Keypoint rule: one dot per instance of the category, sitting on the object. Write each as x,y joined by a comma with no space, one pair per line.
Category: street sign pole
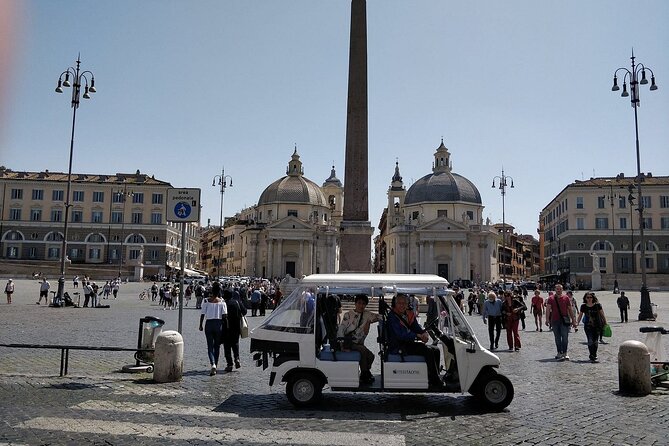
183,205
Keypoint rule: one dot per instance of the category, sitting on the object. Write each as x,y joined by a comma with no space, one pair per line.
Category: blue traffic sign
182,209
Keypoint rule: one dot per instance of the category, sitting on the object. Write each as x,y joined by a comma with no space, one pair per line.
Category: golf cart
298,341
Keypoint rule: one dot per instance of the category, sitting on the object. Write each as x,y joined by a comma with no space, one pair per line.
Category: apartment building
594,225
117,223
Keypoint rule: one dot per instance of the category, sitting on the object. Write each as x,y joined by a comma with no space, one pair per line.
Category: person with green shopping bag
594,322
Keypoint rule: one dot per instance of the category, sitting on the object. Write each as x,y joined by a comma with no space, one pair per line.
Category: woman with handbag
594,321
511,310
236,311
215,311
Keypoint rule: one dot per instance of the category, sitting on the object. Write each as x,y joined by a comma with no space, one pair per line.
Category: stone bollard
634,368
168,363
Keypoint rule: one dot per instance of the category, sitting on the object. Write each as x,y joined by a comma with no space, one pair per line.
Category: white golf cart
297,339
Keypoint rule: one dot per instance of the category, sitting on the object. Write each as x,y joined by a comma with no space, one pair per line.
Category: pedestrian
480,301
154,292
231,336
594,320
255,302
537,305
518,295
511,309
264,298
44,291
492,315
187,294
471,301
215,311
559,318
9,290
199,295
94,295
115,288
75,282
106,290
88,290
623,305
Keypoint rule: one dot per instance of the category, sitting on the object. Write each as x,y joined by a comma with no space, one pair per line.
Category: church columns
431,267
270,264
454,268
301,270
419,257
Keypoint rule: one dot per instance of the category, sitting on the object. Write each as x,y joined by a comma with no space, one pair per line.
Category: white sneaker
566,357
212,372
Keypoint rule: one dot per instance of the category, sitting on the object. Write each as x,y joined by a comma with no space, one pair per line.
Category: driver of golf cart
404,334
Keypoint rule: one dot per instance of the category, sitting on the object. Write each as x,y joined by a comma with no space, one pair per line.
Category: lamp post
502,188
612,198
646,310
123,195
78,77
222,182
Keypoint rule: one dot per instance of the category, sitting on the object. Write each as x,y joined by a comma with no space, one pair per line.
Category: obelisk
356,230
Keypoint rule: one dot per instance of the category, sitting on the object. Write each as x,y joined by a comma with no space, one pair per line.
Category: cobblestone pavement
556,403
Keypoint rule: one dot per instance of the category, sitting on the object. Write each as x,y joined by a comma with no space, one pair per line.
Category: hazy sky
186,87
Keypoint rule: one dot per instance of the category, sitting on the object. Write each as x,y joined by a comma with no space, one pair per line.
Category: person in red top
559,317
538,309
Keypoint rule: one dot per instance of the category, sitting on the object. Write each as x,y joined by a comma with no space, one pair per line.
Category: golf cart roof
367,281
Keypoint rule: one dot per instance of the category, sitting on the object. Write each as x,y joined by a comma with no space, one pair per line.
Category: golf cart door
467,349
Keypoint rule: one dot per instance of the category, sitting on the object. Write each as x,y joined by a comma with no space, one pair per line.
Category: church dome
293,188
442,185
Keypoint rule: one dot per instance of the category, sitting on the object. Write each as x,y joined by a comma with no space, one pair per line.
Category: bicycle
659,367
143,295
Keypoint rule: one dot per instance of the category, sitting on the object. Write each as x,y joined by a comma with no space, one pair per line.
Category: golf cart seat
328,355
404,358
393,357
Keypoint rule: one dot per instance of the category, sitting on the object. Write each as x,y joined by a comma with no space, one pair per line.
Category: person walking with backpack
9,290
231,335
559,318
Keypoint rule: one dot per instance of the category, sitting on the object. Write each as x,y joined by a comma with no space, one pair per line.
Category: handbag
566,320
606,331
244,327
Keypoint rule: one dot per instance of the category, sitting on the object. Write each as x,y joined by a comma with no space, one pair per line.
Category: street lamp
612,198
646,310
222,182
78,77
502,188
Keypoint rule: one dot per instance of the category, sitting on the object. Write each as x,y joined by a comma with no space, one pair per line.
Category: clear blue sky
186,87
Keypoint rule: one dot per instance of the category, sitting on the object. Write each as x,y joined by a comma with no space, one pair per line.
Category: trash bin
149,329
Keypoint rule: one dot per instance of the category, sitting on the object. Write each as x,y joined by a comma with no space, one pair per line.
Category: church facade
436,227
293,230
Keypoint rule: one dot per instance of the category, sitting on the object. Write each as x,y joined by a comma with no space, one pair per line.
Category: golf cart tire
495,391
304,389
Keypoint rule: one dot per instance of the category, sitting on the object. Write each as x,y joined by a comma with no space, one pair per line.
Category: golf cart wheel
304,389
496,391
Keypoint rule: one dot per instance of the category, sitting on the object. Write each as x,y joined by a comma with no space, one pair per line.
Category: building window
96,216
77,216
134,254
56,215
622,202
117,217
442,213
622,223
601,223
156,218
76,253
137,218
78,195
580,262
54,237
580,223
470,215
600,202
35,215
113,254
579,202
17,194
94,253
32,252
38,194
118,197
664,223
138,197
645,202
650,263
154,254
53,253
15,214
14,235
155,239
292,213
136,238
648,223
414,216
95,238
157,199
664,201
57,195
580,245
98,197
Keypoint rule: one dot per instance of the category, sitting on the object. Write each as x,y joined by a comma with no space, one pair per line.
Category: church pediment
443,225
290,222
